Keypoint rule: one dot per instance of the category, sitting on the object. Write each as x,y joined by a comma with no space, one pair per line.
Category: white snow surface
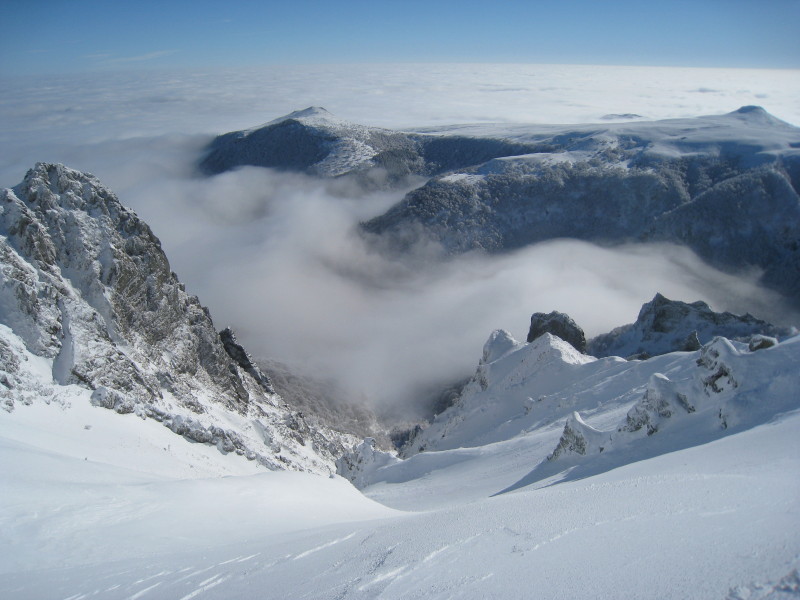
97,504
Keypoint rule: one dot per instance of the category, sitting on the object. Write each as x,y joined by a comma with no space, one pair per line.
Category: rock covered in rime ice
559,325
727,388
578,438
500,343
360,464
665,325
661,400
85,285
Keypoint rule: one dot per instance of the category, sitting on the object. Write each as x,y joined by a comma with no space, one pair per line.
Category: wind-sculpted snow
86,287
727,388
616,411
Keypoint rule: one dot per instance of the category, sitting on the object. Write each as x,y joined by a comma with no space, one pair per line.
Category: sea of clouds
277,255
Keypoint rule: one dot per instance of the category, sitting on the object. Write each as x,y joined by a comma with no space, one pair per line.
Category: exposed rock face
559,325
84,284
243,359
665,325
316,142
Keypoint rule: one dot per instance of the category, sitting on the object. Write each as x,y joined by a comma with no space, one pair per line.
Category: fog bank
277,256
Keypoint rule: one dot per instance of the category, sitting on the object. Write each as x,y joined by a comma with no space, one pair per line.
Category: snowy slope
713,521
704,505
555,474
82,485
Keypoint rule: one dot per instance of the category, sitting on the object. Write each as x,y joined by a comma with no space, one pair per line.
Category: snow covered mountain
87,299
608,407
315,141
669,476
725,186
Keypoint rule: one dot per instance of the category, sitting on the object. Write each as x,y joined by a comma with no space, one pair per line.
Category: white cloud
275,254
138,58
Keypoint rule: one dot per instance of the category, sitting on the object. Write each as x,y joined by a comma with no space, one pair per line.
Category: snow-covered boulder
761,342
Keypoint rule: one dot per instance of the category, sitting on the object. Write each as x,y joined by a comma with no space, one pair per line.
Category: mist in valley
280,258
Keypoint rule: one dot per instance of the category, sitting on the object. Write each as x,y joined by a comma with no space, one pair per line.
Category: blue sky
45,36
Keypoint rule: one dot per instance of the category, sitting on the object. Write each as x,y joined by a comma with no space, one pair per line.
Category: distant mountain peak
757,115
751,109
312,115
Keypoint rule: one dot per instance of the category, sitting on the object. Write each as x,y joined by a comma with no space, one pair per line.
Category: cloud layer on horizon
275,254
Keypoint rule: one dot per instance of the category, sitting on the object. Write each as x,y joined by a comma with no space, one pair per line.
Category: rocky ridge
726,186
316,142
608,411
87,294
665,325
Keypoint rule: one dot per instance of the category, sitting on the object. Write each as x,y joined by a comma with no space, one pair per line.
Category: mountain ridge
87,288
725,186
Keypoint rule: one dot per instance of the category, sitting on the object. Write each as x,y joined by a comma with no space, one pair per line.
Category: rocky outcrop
559,325
243,359
85,285
665,325
578,438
